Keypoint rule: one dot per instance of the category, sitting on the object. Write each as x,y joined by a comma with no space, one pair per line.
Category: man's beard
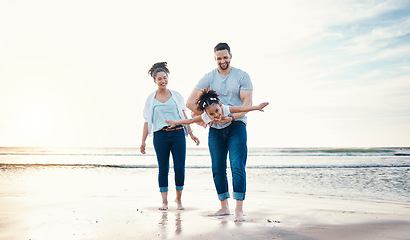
227,65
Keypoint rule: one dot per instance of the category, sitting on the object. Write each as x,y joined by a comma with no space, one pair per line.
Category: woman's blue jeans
165,143
231,139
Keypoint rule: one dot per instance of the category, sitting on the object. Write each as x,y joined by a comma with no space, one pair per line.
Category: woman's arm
191,133
144,137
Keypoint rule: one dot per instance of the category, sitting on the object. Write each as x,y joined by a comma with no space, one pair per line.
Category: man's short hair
222,46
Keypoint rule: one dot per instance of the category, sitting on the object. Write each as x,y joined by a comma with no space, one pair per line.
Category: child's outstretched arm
184,121
260,107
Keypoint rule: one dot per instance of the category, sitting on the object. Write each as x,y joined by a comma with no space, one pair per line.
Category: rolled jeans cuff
223,196
238,196
163,189
180,188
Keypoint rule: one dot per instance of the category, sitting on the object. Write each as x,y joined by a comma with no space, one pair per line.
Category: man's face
223,59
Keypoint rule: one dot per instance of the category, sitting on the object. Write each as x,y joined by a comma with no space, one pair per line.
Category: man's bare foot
164,206
239,216
164,196
179,203
220,212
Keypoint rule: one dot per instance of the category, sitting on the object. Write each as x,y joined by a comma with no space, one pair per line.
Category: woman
161,105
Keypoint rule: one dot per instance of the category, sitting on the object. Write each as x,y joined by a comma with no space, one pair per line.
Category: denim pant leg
178,150
218,148
238,152
162,150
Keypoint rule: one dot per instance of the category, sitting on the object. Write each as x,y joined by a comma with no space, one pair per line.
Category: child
208,102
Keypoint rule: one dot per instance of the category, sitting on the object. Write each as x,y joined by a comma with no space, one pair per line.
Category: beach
83,201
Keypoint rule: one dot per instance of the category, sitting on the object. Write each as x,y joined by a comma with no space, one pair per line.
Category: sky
336,73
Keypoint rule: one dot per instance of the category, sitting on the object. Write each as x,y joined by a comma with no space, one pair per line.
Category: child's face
214,111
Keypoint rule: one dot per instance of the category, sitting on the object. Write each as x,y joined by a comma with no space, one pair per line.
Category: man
234,87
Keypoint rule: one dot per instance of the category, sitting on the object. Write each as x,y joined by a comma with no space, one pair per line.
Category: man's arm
246,97
191,102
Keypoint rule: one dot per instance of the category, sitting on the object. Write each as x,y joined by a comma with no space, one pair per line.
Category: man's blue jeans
165,143
231,139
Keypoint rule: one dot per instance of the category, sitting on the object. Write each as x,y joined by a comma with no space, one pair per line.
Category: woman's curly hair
206,98
158,67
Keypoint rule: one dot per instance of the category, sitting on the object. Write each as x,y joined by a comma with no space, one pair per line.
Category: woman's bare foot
164,206
179,203
239,216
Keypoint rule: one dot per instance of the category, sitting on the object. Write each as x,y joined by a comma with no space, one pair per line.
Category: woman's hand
195,139
170,122
142,148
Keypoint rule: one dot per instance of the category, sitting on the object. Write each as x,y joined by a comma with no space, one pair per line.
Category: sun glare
36,123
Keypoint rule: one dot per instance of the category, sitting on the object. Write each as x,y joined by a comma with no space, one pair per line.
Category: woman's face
161,79
214,111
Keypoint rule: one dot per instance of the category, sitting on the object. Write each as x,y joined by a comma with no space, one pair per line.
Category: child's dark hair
158,67
206,98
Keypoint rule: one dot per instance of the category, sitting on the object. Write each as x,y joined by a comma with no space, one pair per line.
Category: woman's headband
157,70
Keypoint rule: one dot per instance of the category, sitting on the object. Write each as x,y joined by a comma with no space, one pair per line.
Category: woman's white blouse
149,108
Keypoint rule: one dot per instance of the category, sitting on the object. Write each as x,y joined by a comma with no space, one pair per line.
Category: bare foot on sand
220,212
164,196
164,206
239,216
179,203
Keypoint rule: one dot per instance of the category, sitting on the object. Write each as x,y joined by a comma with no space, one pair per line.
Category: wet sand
63,203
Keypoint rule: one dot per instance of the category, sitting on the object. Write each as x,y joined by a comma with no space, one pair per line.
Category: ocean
379,174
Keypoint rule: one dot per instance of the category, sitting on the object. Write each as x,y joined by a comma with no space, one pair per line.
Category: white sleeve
206,118
147,113
225,108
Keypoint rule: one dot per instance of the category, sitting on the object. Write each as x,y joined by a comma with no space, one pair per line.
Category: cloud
323,65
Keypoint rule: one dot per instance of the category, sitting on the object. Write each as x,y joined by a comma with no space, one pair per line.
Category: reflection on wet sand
166,229
178,225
